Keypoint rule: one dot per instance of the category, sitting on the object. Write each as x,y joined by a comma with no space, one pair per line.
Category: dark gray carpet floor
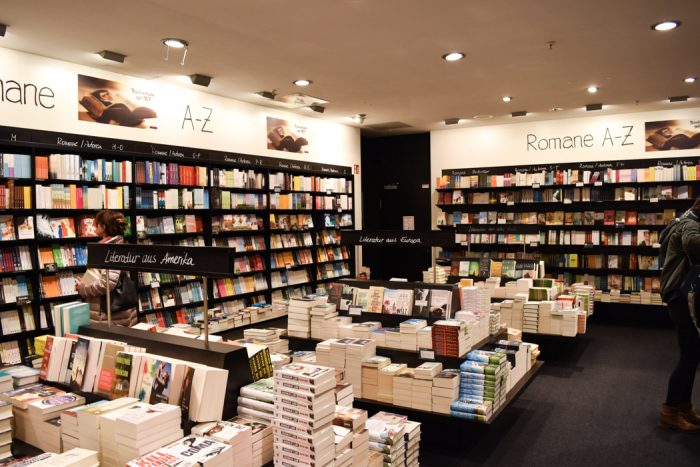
595,402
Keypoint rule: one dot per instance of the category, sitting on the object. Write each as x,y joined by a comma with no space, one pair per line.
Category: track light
201,80
302,82
359,118
113,56
267,94
519,113
451,121
171,42
317,108
678,98
3,29
665,25
590,107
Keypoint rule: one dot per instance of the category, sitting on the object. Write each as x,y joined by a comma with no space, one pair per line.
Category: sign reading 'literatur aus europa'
191,260
397,238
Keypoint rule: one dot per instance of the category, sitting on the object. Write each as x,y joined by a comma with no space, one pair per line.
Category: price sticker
653,200
567,201
510,203
278,189
588,245
579,184
355,310
427,354
598,184
288,266
534,244
22,300
329,192
340,209
535,185
155,284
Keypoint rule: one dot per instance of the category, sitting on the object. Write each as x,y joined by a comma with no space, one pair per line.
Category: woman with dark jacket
680,246
92,287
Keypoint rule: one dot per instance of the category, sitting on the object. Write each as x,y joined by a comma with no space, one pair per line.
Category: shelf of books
282,217
611,213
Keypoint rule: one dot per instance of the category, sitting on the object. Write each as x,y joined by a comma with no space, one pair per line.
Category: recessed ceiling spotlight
678,98
592,89
359,118
507,98
453,56
483,117
556,109
665,25
451,121
590,107
3,29
267,94
113,56
690,79
317,108
201,80
302,82
519,113
175,43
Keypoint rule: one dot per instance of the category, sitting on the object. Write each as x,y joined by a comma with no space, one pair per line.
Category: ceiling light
113,56
3,29
175,43
592,89
590,107
690,79
359,118
267,94
665,25
483,117
507,98
556,109
519,113
201,80
317,108
451,121
678,98
302,82
453,56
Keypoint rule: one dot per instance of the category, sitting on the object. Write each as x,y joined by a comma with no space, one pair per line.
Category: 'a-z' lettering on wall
611,137
201,121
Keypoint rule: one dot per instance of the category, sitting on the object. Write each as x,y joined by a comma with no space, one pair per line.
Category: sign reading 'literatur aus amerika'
397,238
191,260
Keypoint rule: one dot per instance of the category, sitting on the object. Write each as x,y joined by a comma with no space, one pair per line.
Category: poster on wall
113,103
669,135
283,135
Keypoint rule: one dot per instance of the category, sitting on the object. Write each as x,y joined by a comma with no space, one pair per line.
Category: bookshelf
596,222
170,195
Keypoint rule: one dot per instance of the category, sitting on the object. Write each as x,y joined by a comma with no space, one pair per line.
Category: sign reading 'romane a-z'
191,260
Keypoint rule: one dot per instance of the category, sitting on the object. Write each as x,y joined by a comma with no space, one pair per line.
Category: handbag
690,289
122,297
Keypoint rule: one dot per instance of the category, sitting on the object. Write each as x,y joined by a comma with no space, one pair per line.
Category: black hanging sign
399,238
498,229
191,260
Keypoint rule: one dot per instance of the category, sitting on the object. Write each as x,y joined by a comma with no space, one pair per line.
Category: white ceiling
383,57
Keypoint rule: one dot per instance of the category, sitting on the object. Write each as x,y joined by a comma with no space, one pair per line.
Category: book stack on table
236,435
370,375
261,438
190,450
257,400
483,385
349,422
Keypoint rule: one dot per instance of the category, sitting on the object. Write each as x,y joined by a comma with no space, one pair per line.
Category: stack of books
409,333
323,352
304,411
370,375
257,400
18,376
392,338
337,353
411,438
475,298
385,389
261,438
320,313
356,351
518,355
445,390
344,394
386,436
190,450
403,387
139,429
352,437
89,421
75,457
581,322
362,330
299,317
450,337
20,400
70,434
40,411
424,338
5,429
494,321
547,323
436,275
331,326
531,312
483,385
236,435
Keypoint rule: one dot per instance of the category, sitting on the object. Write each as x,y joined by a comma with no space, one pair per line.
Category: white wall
610,137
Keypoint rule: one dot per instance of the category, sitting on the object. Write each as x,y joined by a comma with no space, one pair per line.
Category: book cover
186,392
77,374
404,302
160,390
106,371
421,303
25,227
375,299
389,301
440,301
122,375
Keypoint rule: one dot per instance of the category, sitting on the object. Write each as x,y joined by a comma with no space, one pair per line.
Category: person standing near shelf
680,246
110,225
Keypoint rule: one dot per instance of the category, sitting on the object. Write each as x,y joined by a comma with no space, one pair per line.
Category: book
440,303
421,302
375,300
